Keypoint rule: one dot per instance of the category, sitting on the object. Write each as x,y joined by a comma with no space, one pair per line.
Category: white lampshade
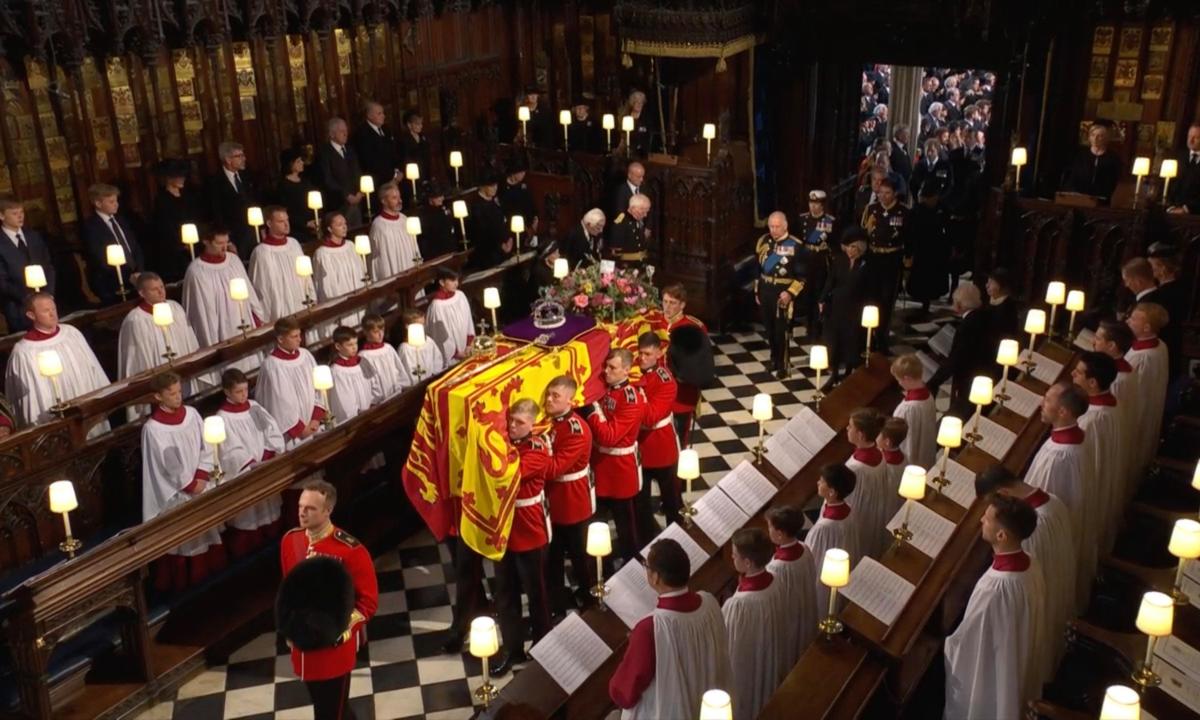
322,378
1035,322
304,266
564,117
912,483
254,216
189,234
517,224
412,171
1009,353
835,570
562,268
114,255
62,497
416,335
818,357
762,409
214,429
491,298
1121,703
35,277
870,316
314,200
1196,477
688,467
1075,300
1019,156
523,113
716,705
1156,615
1141,166
238,289
362,244
162,314
627,123
49,363
484,642
456,160
1169,169
1185,539
1056,293
710,131
460,208
366,184
949,434
981,390
599,539
413,225
608,122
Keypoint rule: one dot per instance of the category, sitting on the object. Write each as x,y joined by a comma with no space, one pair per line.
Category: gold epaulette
619,219
346,538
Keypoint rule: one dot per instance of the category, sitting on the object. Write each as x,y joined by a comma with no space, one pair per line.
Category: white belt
670,418
628,450
578,475
531,501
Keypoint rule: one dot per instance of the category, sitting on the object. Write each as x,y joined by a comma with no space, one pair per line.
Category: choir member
872,494
918,410
393,250
759,624
230,192
285,385
835,528
521,567
847,289
34,394
615,420
487,230
1149,358
970,352
273,267
251,436
339,171
102,228
448,318
19,248
889,441
174,206
418,362
1114,338
585,243
796,573
175,468
439,231
991,665
380,360
1094,373
337,269
687,395
657,442
354,392
211,312
141,345
690,631
570,494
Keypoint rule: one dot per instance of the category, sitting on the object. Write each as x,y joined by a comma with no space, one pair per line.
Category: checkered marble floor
403,673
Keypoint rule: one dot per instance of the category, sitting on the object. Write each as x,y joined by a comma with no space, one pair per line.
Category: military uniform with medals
628,241
816,232
782,267
886,230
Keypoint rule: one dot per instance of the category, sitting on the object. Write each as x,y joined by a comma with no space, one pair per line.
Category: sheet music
719,516
930,530
1181,655
1084,341
997,439
630,596
929,365
810,430
1045,370
1023,401
747,487
879,591
787,455
1176,681
962,483
674,532
925,327
571,652
941,342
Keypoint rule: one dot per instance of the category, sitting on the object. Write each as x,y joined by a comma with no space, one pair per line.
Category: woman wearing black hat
293,194
174,206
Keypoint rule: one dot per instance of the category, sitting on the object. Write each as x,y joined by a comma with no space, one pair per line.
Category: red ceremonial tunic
636,671
615,427
570,486
338,660
529,531
657,441
688,395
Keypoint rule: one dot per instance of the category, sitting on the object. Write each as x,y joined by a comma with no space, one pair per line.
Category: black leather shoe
453,644
505,663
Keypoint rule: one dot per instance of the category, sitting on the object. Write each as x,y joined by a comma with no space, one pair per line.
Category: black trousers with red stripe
625,518
569,541
519,572
331,698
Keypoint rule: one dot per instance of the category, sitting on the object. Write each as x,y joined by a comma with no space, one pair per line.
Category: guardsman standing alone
885,222
782,260
816,227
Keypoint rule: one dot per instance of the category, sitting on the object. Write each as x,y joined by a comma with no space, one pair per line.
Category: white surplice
920,446
338,271
285,390
1126,388
759,624
273,273
1052,545
142,344
251,436
384,365
990,667
427,359
1062,467
1101,423
448,325
795,572
33,394
213,315
872,500
353,392
830,532
393,250
1149,360
173,456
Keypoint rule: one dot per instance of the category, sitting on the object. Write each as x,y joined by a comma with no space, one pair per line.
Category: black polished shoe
454,643
506,663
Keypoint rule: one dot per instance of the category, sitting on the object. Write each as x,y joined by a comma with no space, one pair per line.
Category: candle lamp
1141,168
491,301
716,705
63,500
1035,324
416,340
214,435
362,248
1168,170
315,203
762,412
523,116
912,489
413,225
190,235
254,218
35,277
949,436
980,395
627,127
304,270
609,123
688,469
709,133
322,377
115,256
163,319
1056,294
599,546
412,173
564,119
239,291
456,162
1008,355
1155,618
818,359
1121,703
1019,158
1196,477
460,211
870,320
1075,303
1185,545
484,643
835,573
366,186
517,225
562,268
49,364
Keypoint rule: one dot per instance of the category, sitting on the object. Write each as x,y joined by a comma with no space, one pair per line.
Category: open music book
571,652
879,591
930,530
748,487
719,516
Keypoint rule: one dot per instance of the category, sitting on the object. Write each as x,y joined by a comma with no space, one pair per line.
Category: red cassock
570,487
657,441
688,395
529,525
335,661
615,427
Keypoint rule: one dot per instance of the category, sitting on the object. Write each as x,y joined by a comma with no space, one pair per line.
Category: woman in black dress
293,195
174,206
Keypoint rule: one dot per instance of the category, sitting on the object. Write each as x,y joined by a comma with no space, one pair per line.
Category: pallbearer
656,441
689,357
616,420
571,493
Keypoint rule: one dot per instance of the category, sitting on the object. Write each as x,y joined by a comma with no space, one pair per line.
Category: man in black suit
229,193
933,169
970,354
1172,295
848,287
635,173
585,242
19,248
338,167
1138,278
103,228
1184,196
376,147
900,158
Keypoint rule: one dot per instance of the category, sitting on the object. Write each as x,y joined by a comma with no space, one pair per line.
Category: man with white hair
635,175
783,263
970,354
338,168
934,121
629,238
585,242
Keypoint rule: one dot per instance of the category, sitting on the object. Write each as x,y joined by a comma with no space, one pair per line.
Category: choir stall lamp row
949,437
1121,703
870,320
1154,619
115,256
835,573
688,469
163,318
416,340
818,359
304,270
1168,170
322,377
214,435
50,365
1185,545
459,208
491,301
1007,355
63,501
362,248
981,394
912,489
762,412
239,292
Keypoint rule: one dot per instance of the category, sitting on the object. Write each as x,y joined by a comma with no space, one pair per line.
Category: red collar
840,511
1104,398
36,335
1123,365
1011,562
235,407
371,346
790,552
284,354
442,294
347,362
920,393
329,243
275,241
1147,344
169,418
751,583
893,457
388,216
212,259
1068,436
868,456
1037,498
687,602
